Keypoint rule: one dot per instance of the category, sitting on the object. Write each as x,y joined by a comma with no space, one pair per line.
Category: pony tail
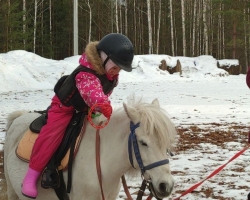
12,116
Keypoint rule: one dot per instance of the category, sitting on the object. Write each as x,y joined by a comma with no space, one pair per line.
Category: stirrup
50,178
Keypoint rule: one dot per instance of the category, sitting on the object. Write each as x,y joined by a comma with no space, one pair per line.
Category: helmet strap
105,62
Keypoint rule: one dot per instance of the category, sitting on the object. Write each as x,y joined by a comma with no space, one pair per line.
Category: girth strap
69,141
61,191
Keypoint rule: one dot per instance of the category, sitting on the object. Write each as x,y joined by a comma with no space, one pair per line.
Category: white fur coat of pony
156,135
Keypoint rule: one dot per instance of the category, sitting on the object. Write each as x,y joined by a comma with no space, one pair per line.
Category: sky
203,96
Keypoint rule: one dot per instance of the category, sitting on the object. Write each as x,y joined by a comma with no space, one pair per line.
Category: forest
190,28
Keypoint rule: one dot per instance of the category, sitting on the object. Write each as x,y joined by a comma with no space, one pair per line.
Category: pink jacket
90,86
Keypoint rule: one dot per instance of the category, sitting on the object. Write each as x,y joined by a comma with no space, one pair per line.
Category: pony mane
155,120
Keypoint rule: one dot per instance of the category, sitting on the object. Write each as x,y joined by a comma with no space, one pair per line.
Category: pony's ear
156,103
132,113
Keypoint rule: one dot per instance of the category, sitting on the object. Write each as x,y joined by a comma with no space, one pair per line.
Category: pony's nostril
163,187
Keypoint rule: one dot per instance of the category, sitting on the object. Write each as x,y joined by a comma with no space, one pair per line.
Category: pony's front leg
114,194
11,194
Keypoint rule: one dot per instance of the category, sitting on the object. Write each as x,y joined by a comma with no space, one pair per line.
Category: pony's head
153,136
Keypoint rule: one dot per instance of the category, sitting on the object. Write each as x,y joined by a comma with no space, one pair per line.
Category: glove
106,110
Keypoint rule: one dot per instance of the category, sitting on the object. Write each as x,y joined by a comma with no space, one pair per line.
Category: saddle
24,148
62,159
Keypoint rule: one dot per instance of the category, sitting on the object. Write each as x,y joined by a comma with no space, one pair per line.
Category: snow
203,95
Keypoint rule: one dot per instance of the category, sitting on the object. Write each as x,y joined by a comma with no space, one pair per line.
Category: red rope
150,196
125,186
213,173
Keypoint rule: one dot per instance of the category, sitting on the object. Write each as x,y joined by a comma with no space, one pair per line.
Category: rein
140,193
98,163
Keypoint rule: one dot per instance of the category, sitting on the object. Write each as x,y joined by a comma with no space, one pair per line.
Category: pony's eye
143,143
170,153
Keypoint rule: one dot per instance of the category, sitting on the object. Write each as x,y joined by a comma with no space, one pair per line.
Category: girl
90,83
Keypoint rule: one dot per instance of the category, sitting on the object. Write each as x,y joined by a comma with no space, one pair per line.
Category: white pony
155,134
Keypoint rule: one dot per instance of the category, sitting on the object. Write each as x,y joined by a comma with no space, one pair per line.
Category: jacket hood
94,58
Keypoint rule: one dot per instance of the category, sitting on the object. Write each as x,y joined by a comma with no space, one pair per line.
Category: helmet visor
123,65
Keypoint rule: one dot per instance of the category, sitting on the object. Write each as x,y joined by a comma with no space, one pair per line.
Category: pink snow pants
50,135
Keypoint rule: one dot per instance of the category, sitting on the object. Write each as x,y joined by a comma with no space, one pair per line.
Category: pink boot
29,183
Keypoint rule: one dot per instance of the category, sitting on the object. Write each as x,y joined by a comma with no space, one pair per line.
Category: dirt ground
189,138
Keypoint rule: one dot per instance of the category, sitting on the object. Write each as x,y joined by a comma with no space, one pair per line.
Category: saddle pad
24,148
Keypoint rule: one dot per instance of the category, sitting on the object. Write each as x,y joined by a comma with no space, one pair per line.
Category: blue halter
132,141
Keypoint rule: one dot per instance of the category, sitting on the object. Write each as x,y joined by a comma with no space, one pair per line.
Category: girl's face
114,71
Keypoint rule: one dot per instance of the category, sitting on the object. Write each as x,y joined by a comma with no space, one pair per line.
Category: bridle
133,144
132,141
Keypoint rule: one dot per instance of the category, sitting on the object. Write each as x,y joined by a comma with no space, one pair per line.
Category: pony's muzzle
164,189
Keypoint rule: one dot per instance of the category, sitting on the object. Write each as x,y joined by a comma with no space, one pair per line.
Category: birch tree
150,41
8,24
24,22
126,17
116,16
223,33
245,38
194,27
159,27
50,26
90,20
135,22
183,28
172,27
34,35
205,26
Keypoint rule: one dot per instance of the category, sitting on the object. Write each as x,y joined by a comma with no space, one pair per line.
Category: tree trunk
234,40
126,18
135,24
34,35
219,29
90,20
50,26
194,27
116,17
24,23
205,26
183,27
245,43
223,35
159,27
172,27
150,42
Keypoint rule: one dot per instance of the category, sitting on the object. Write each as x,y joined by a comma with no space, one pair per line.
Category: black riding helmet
119,49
